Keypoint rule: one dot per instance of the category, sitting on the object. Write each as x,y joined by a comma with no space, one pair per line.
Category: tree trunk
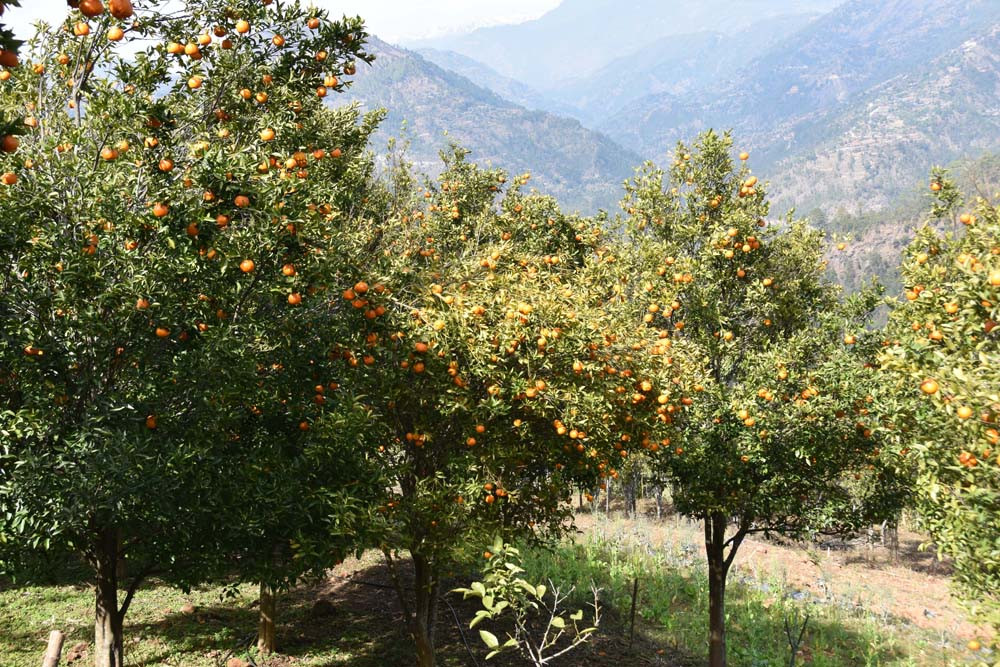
629,490
268,611
718,568
425,611
658,496
108,640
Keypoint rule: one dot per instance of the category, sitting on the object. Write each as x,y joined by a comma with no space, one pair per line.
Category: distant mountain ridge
580,36
843,109
581,167
886,70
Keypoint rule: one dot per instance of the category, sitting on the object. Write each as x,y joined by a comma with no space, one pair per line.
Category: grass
364,629
673,603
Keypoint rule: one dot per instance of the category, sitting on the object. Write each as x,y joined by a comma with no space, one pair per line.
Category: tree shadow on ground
362,626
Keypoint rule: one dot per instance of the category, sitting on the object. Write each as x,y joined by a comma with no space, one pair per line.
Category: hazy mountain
861,99
580,36
676,66
487,77
583,168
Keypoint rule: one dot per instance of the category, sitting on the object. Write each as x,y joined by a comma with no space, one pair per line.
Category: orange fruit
8,59
278,41
151,422
160,209
141,304
115,34
9,143
91,8
81,29
166,164
288,270
267,134
241,201
294,298
247,265
929,386
242,27
313,23
8,178
162,332
121,9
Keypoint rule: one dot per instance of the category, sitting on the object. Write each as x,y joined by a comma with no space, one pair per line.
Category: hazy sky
392,20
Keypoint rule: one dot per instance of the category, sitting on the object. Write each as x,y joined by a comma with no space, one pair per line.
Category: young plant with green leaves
172,220
543,630
777,437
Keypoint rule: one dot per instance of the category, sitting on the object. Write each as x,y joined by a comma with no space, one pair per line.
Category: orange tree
777,437
503,366
171,223
9,45
945,352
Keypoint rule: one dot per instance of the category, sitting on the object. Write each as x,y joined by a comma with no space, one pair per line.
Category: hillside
853,107
877,240
864,156
581,36
583,168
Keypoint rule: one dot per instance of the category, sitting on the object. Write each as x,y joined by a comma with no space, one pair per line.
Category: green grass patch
673,605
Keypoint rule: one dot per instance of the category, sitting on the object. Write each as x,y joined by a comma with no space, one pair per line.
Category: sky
392,20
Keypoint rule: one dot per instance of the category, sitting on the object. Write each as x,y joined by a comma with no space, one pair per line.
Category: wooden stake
635,594
54,650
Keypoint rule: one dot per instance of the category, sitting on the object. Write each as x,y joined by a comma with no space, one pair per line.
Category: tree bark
108,639
718,568
266,633
425,610
629,491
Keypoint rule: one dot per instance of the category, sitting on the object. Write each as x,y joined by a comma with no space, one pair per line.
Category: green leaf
558,622
489,639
